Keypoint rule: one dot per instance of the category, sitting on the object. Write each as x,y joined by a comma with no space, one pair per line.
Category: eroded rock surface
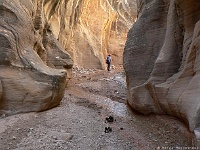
39,37
90,29
26,82
161,60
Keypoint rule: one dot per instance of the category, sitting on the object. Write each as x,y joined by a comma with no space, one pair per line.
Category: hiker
108,61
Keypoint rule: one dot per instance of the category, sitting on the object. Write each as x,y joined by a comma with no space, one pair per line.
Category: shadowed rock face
26,45
161,60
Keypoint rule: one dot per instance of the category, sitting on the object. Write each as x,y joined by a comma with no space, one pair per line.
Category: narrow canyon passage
79,122
44,46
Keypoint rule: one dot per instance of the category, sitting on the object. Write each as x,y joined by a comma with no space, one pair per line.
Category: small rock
55,138
108,129
14,138
110,119
3,115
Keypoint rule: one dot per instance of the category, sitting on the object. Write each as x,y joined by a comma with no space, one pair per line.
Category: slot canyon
56,92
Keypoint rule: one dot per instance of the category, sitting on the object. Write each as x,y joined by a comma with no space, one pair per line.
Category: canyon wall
33,65
40,40
91,29
161,60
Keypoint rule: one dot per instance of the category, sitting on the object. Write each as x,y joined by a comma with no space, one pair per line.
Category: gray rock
162,63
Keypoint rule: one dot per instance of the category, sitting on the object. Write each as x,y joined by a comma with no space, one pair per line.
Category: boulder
26,82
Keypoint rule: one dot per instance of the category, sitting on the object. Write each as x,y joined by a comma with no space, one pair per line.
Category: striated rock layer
27,49
161,60
90,29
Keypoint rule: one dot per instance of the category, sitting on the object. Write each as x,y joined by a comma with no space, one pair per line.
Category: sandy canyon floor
79,123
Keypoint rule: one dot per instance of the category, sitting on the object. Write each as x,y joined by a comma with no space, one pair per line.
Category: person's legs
108,67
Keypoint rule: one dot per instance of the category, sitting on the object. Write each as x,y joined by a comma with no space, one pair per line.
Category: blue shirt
108,59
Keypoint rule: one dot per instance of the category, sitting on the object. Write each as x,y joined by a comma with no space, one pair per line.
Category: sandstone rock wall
40,38
161,60
90,29
27,83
